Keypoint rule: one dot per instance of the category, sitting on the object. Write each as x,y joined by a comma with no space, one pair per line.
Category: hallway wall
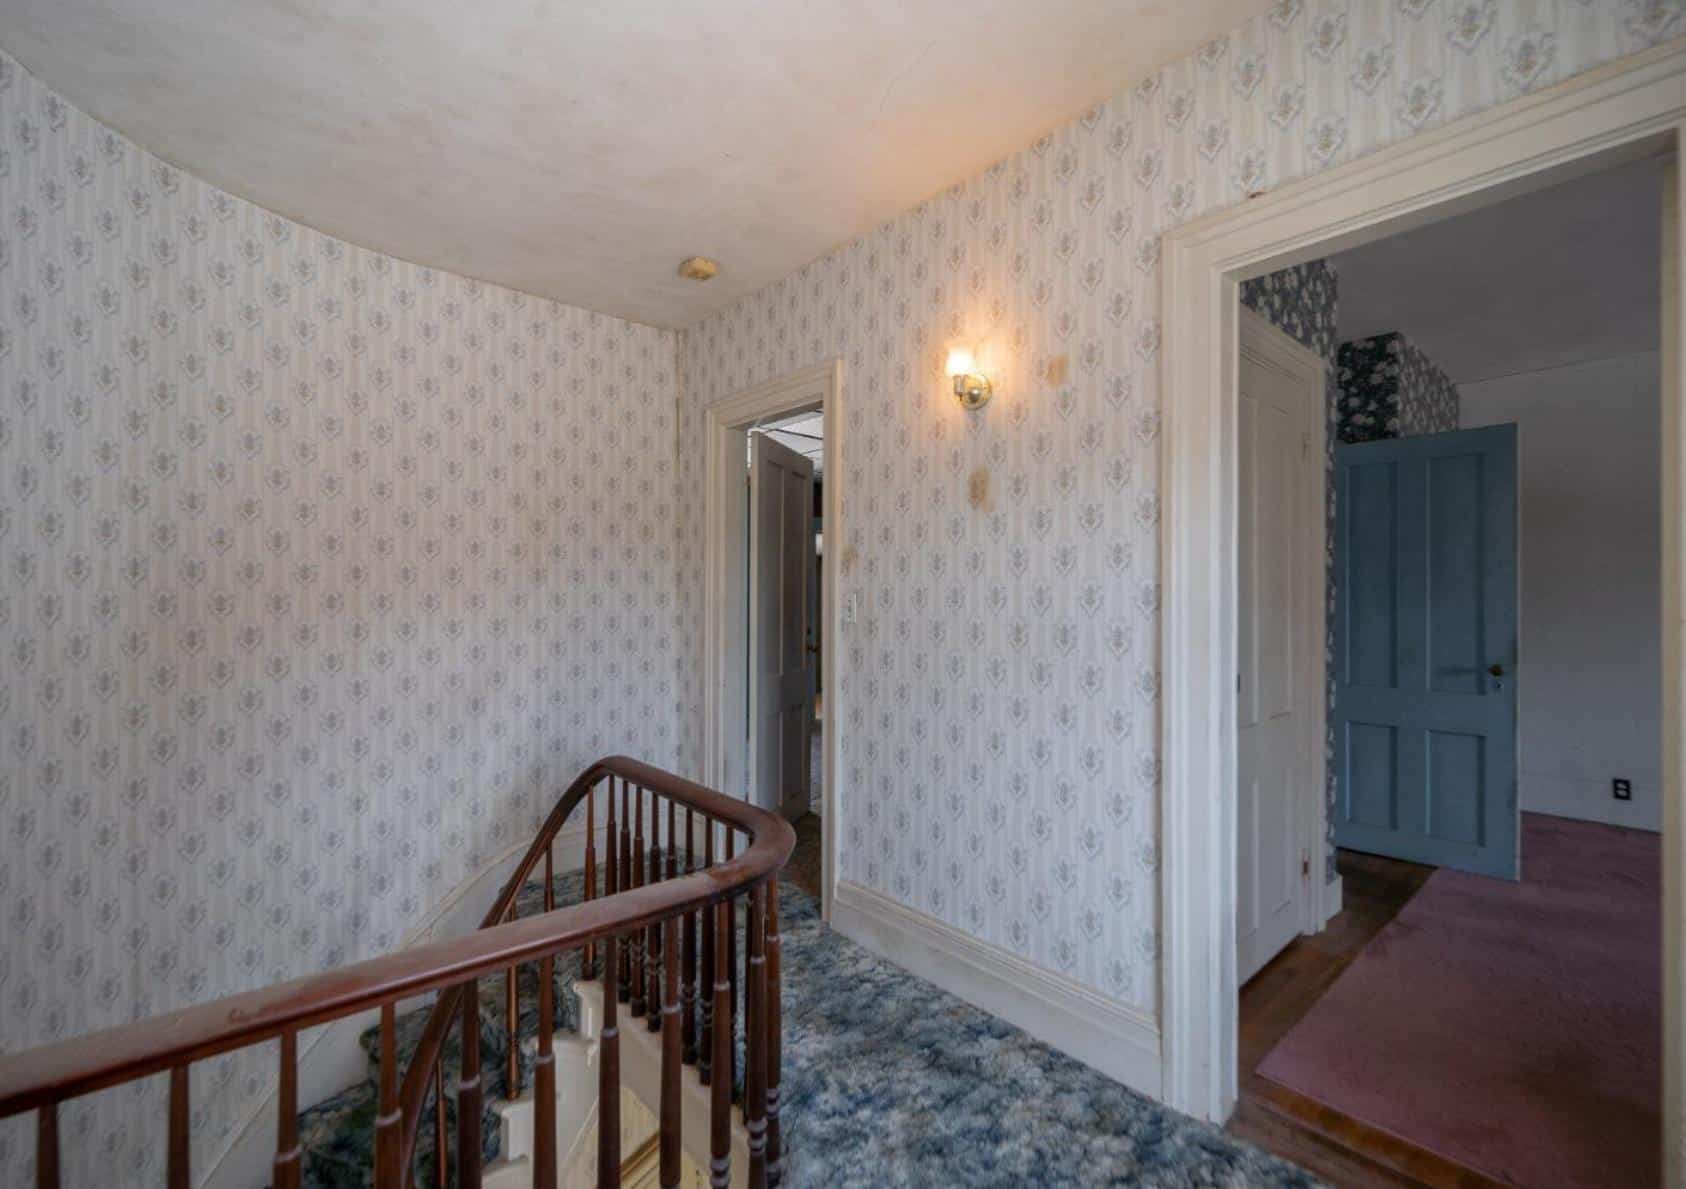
321,574
999,693
1590,503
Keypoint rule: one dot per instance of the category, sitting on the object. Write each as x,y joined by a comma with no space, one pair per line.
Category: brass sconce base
973,391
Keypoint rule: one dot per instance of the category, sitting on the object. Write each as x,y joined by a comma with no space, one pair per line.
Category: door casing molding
724,423
1630,109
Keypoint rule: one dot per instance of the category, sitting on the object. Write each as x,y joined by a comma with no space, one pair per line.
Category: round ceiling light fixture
699,268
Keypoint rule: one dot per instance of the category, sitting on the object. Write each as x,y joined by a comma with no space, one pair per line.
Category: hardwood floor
1341,1149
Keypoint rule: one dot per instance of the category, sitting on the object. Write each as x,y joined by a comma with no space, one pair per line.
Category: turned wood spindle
775,1035
623,982
609,1076
720,1090
178,1174
588,963
285,1174
544,1065
469,1089
672,1062
755,1039
440,1172
732,976
705,994
653,934
512,1027
688,947
388,1132
635,942
47,1146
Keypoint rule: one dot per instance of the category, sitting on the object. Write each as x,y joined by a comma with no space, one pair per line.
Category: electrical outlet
1621,789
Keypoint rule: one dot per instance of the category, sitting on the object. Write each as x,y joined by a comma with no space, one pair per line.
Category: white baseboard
1120,1041
1332,892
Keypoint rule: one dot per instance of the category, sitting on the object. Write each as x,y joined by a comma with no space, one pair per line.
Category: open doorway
773,506
1486,1002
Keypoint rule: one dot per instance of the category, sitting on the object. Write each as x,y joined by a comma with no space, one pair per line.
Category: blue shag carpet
887,1081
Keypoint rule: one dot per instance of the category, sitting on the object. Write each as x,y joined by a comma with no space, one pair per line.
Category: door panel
781,566
1279,503
1425,740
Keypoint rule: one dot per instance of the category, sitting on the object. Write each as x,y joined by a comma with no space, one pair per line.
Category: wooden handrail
45,1076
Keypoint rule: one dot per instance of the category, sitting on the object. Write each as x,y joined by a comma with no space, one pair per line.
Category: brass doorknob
1496,670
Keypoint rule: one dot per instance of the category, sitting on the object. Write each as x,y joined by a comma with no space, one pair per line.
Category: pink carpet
1515,1028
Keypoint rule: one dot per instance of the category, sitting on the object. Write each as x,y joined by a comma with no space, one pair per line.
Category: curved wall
320,573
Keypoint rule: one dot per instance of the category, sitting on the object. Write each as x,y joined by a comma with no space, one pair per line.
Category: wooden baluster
624,981
544,1065
440,1172
635,941
705,1059
732,975
672,840
609,1075
775,1035
512,1024
720,1114
469,1089
671,1060
688,945
389,1135
755,1040
177,1173
287,1151
47,1147
653,934
611,854
588,962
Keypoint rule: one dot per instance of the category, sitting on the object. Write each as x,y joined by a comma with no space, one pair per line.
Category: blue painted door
1425,649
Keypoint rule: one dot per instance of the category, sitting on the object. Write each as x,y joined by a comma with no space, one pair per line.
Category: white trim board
1631,109
724,422
1120,1041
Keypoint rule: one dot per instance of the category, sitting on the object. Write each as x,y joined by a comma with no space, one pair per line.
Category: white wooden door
781,566
1280,665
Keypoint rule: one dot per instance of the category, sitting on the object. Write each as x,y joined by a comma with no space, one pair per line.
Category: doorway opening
1487,508
773,507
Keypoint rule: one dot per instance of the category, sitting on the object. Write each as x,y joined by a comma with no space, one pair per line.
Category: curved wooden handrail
50,1074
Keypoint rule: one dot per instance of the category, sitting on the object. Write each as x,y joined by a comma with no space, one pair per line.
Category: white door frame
1630,109
724,424
1274,348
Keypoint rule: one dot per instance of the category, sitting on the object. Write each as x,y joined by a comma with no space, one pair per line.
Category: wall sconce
971,386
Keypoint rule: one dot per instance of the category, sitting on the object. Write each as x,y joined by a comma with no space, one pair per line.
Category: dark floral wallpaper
1389,388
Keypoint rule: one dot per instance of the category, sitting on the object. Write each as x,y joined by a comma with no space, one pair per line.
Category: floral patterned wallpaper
320,575
1428,400
999,700
1390,388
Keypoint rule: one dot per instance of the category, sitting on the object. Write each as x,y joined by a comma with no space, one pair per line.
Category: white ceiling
1560,275
579,149
803,433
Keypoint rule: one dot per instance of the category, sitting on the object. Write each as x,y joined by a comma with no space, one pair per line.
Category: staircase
338,1134
517,1073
